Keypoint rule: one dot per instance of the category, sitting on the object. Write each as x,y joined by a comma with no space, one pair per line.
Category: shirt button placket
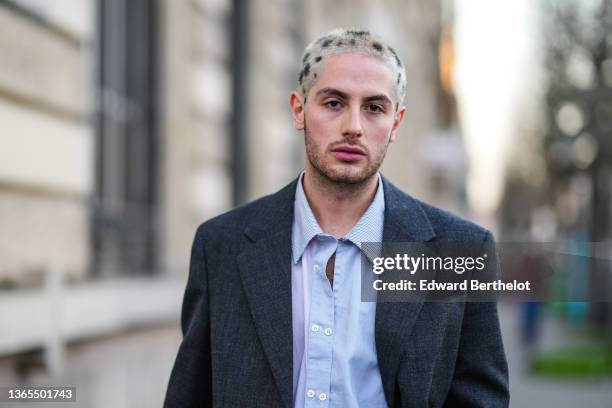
319,346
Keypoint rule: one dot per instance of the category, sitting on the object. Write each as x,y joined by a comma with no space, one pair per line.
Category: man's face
349,119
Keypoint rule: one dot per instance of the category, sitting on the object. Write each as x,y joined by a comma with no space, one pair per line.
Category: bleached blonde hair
341,41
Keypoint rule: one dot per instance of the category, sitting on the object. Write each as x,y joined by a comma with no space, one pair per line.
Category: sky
497,73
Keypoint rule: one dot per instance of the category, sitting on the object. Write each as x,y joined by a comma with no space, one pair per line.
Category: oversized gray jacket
236,317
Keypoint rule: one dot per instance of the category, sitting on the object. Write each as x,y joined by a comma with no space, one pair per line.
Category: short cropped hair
341,41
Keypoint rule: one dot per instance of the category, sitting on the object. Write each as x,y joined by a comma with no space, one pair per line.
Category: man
272,314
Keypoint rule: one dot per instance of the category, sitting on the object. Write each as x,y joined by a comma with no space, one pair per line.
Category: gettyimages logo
484,271
414,264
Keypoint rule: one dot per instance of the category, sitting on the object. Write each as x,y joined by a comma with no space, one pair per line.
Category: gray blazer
236,318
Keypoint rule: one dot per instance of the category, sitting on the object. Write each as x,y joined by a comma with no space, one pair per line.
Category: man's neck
338,206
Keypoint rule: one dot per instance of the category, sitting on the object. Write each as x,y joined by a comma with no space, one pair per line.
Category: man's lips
348,153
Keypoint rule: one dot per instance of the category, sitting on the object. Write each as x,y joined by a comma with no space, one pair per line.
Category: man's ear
296,103
399,116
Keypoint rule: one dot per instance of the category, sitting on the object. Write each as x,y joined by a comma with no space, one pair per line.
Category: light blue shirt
334,350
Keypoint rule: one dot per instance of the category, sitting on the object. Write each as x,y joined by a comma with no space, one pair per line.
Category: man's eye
333,104
375,108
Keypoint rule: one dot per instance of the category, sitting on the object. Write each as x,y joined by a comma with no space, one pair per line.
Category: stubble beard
345,177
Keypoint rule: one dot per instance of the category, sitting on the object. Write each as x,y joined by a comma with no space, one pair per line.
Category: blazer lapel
265,270
405,221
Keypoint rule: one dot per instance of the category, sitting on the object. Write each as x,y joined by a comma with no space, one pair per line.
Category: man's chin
348,176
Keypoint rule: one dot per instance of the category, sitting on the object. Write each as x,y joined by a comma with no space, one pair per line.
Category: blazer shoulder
443,225
449,226
260,214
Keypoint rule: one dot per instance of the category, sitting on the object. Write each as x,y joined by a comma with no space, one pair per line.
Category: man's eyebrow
345,96
381,97
332,91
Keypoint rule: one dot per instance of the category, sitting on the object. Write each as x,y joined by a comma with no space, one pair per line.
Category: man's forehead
354,73
340,42
356,62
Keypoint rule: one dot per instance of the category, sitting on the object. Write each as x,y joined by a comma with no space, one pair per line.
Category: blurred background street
126,123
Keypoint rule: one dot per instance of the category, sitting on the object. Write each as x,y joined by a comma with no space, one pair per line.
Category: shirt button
315,328
310,393
322,396
315,268
328,332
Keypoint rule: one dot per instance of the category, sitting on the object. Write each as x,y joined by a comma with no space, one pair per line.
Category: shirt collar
369,228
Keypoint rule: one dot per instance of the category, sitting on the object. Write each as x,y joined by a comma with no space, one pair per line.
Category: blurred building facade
126,123
47,140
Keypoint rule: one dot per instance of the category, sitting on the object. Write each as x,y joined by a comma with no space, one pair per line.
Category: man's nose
352,123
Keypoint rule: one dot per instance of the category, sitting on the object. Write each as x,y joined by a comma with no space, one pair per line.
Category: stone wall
46,139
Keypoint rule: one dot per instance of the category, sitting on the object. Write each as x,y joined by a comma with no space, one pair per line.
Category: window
123,213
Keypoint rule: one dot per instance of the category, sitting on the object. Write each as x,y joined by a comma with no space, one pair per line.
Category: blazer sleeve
191,379
481,370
